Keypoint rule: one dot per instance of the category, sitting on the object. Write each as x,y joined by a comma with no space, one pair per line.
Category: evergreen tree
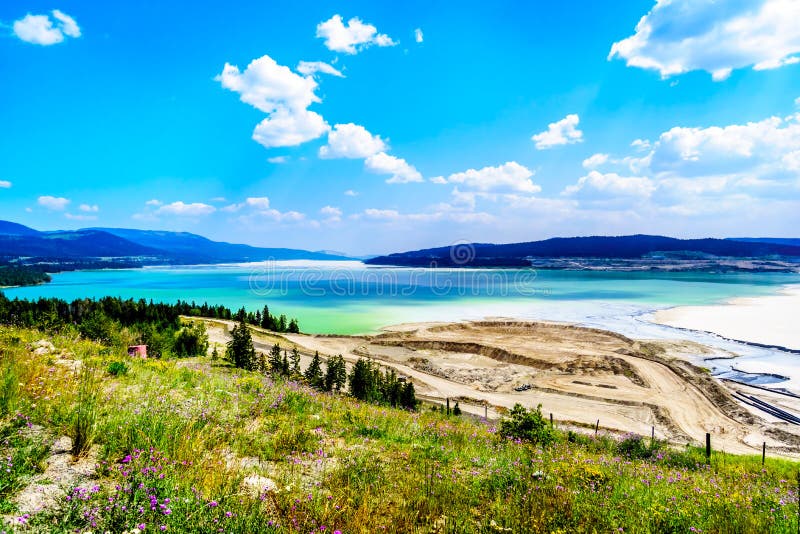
281,327
275,361
408,397
295,363
294,328
335,374
313,374
285,368
240,348
456,409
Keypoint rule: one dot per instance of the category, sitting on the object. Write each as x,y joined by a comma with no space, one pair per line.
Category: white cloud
5,184
351,193
53,203
418,35
679,36
374,213
89,208
510,175
439,180
284,95
640,144
331,214
67,24
195,209
80,217
563,132
401,171
309,68
594,161
351,141
45,31
352,37
153,202
258,202
218,199
278,159
610,185
289,128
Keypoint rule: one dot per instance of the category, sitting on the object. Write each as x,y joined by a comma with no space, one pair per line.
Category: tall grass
84,417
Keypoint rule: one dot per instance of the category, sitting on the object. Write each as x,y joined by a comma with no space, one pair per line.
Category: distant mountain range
645,248
143,246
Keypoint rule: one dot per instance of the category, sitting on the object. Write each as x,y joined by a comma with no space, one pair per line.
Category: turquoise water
348,297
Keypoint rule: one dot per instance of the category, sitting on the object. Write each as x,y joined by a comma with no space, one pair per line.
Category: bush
191,341
117,368
527,425
633,447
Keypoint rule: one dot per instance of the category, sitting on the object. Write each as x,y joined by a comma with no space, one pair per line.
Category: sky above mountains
368,127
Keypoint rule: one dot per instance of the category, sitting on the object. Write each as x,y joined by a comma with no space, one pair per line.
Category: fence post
597,427
486,411
708,446
764,453
551,419
448,405
652,434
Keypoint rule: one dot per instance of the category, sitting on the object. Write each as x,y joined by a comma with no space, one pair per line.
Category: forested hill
89,244
595,247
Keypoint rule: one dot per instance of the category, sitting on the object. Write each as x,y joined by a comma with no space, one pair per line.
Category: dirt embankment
578,374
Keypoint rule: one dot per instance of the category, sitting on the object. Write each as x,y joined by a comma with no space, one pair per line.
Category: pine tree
295,364
313,374
214,354
240,348
456,409
285,368
294,328
408,396
275,361
335,374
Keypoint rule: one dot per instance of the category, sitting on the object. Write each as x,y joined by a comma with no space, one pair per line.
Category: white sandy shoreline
772,320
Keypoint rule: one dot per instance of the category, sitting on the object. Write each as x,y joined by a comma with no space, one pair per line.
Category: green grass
178,440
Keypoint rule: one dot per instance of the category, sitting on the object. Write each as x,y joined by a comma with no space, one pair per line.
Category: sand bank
772,320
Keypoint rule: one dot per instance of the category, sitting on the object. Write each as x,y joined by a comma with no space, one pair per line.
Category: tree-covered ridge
13,275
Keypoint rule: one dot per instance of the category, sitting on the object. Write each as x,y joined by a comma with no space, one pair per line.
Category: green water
348,298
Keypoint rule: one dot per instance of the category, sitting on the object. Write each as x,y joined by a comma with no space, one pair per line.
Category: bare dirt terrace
578,374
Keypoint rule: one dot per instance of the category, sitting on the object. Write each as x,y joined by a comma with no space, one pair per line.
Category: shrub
117,368
527,425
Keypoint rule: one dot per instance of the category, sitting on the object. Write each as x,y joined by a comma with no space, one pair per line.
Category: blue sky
366,128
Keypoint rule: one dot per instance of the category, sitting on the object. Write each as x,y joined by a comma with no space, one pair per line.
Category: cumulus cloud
153,202
53,203
44,30
283,95
352,37
510,175
179,208
310,68
258,203
5,184
331,214
351,141
702,170
679,36
610,185
89,208
563,132
278,159
595,160
400,170
418,37
351,193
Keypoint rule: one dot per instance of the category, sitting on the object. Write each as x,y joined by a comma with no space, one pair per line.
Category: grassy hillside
193,445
